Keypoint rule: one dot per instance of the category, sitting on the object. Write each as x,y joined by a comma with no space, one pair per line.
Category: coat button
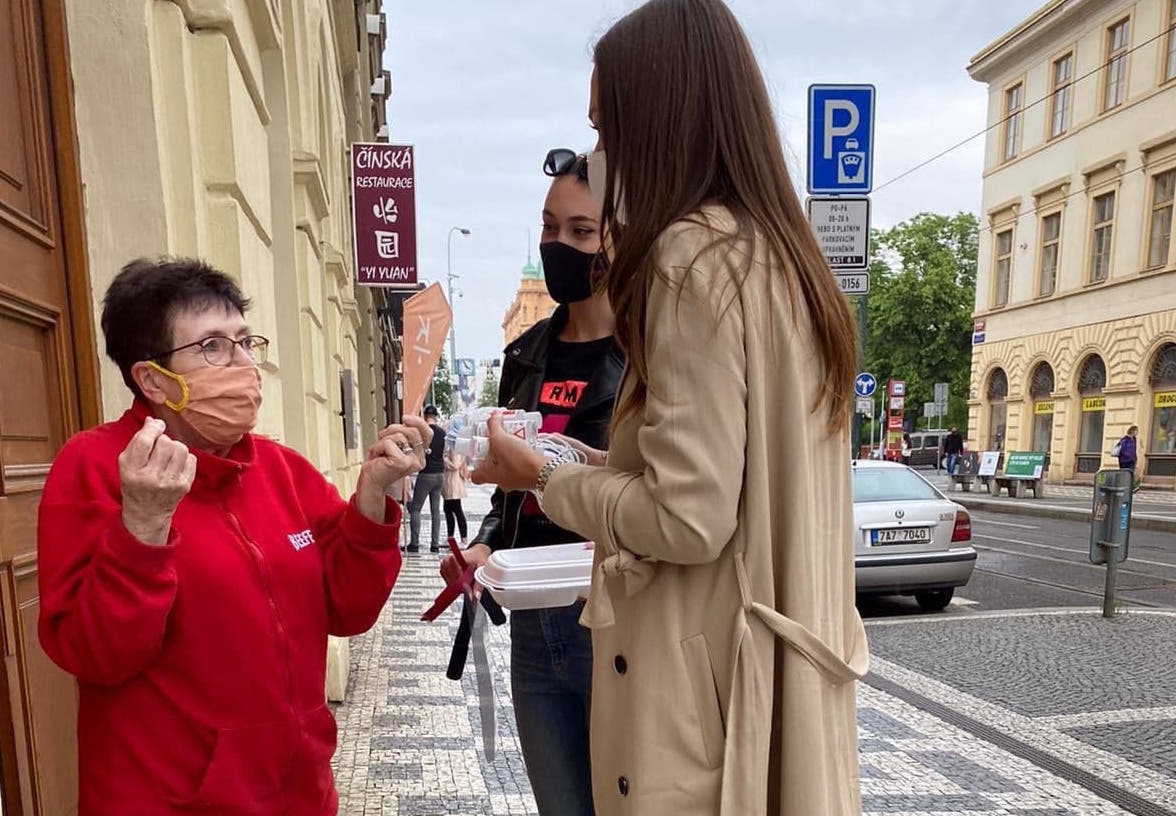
620,664
623,786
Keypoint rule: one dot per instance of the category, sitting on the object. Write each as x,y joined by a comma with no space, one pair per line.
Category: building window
1161,453
1102,225
1051,248
1004,267
1170,69
1012,125
1041,388
1063,89
1160,228
1115,89
1092,379
998,409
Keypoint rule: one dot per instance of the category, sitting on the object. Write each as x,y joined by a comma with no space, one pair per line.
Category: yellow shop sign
1040,408
1166,399
1094,404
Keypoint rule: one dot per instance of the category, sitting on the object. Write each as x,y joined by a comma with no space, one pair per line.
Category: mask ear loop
179,380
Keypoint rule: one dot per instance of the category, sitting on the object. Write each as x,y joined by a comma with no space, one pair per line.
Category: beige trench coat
725,638
453,484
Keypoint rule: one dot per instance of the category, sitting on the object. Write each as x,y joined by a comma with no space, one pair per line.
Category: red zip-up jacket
201,664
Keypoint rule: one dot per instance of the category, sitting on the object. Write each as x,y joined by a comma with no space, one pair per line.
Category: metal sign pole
1108,607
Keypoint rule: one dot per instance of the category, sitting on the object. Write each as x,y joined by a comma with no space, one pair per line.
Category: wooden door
44,394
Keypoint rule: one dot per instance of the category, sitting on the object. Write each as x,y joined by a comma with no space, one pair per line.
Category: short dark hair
144,298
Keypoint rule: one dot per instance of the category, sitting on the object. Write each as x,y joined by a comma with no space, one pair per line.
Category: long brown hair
685,120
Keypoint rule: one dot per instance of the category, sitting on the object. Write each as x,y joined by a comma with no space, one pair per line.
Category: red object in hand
453,590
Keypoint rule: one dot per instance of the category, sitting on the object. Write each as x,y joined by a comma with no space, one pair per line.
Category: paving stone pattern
410,739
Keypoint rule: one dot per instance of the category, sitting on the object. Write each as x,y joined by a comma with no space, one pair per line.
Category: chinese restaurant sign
383,194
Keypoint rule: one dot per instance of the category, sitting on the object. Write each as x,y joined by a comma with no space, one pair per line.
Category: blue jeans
551,681
952,460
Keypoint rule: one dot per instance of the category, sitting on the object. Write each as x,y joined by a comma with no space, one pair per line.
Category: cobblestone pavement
1034,714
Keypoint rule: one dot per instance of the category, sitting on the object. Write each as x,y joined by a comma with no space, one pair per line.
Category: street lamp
451,276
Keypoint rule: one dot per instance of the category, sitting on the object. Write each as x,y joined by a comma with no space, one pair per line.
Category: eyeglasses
561,161
219,350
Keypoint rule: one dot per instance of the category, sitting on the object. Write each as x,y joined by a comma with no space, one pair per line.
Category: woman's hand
596,458
510,463
399,452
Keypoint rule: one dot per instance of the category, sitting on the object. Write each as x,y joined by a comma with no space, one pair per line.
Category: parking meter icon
851,163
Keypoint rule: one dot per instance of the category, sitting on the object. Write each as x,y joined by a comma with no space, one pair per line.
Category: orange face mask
219,402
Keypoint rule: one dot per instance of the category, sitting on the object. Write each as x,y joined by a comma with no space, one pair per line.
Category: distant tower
531,304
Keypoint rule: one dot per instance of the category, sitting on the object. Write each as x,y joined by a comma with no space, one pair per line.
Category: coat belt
636,573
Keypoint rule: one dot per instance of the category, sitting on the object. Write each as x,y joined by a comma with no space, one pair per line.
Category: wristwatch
545,476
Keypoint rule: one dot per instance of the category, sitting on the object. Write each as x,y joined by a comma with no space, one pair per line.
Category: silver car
910,539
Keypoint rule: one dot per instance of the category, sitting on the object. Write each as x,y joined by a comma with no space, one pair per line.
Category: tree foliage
442,388
489,395
922,292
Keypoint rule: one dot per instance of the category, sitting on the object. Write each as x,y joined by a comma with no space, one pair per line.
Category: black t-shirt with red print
569,368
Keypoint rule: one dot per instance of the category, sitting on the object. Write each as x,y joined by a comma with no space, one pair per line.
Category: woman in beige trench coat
725,636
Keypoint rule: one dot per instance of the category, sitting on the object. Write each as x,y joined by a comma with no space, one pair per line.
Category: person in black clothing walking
953,447
568,368
428,485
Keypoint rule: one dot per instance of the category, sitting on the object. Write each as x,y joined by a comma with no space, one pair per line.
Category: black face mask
567,272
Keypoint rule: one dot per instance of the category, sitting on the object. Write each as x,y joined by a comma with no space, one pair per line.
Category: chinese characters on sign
384,197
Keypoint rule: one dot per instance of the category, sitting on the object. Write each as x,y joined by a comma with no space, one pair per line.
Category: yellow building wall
1128,347
531,304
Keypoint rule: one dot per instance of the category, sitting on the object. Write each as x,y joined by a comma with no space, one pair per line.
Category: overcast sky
484,90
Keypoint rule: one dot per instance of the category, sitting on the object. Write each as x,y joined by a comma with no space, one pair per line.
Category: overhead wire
1170,29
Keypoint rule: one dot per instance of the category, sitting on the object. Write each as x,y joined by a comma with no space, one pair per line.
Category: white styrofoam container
538,577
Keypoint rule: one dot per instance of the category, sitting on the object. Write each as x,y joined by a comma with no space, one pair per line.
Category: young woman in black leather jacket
567,367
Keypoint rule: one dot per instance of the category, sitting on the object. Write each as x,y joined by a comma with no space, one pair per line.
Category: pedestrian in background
191,571
725,635
1128,454
906,449
953,448
568,368
452,493
430,483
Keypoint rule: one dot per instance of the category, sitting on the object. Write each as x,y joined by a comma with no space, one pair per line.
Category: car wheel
934,600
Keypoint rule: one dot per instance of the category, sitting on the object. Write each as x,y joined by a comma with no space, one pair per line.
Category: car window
930,442
889,484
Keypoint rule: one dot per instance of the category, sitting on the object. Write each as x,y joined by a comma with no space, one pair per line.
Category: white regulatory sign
842,227
854,283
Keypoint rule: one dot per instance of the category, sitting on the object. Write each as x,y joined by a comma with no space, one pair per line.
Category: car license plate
901,535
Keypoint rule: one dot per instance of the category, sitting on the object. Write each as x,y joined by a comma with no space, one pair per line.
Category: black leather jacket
522,378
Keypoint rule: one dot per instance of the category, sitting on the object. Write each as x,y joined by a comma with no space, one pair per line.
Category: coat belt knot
636,573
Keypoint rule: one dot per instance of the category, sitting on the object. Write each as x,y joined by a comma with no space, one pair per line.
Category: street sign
853,283
865,385
989,460
930,410
978,333
1025,464
865,406
841,139
898,388
842,227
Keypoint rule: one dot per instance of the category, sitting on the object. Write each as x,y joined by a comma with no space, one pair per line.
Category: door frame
87,390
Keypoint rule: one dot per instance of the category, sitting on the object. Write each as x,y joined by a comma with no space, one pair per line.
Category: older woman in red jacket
192,571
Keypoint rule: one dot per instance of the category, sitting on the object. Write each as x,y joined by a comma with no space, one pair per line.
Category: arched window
1092,379
998,409
1041,388
1161,452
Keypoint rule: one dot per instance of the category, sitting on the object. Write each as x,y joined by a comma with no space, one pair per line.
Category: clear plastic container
538,577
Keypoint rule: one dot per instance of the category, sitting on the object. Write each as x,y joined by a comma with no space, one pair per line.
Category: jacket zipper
267,585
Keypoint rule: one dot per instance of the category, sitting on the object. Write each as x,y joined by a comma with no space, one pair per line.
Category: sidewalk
1151,510
1011,714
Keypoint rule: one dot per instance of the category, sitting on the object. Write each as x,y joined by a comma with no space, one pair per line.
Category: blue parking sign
841,139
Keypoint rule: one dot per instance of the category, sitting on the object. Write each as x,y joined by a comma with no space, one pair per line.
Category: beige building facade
531,304
210,128
1075,337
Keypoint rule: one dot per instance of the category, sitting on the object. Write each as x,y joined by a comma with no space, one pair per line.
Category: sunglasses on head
561,161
